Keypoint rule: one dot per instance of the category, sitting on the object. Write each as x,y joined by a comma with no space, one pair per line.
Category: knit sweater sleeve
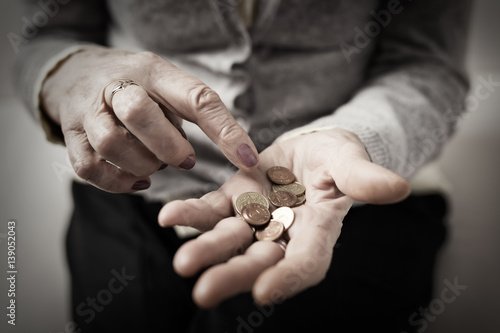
415,86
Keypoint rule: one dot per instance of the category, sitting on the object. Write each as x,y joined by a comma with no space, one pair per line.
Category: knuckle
105,143
130,112
147,170
139,66
84,169
150,63
229,131
127,157
321,276
204,100
148,56
173,154
210,109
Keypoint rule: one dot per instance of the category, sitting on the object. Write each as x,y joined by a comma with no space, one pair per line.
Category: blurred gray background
35,192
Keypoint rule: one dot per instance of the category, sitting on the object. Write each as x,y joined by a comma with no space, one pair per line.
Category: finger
202,214
192,100
237,275
230,237
174,120
365,181
115,144
368,182
93,169
145,119
307,259
214,206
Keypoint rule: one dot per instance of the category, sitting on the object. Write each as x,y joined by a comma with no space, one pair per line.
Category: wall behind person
34,192
471,161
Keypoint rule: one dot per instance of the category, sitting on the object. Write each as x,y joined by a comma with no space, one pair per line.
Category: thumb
364,181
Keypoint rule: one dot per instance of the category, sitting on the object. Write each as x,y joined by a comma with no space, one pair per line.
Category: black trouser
122,277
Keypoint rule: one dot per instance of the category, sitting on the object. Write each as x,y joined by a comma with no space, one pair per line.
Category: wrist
331,131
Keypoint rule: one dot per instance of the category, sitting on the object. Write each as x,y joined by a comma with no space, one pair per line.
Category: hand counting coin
283,199
250,197
272,232
280,175
284,215
255,214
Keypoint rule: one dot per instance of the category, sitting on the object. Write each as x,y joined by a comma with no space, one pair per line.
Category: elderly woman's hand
115,141
335,169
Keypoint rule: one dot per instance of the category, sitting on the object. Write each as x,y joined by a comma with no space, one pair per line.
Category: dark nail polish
247,156
188,163
163,166
141,185
181,130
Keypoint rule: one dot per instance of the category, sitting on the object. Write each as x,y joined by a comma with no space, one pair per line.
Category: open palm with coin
272,231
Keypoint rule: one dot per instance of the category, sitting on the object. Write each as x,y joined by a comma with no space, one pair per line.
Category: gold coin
285,215
280,175
283,199
300,200
296,188
255,214
272,232
248,198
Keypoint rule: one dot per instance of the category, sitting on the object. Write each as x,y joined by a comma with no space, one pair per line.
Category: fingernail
247,156
163,166
141,185
188,163
181,130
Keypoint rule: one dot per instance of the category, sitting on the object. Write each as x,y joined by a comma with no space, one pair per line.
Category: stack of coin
285,193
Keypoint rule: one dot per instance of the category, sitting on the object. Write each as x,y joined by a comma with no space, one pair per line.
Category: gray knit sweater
390,71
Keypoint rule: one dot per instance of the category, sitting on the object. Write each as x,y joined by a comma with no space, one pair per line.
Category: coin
300,200
296,188
285,215
281,243
272,232
285,193
280,175
250,197
255,214
283,199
